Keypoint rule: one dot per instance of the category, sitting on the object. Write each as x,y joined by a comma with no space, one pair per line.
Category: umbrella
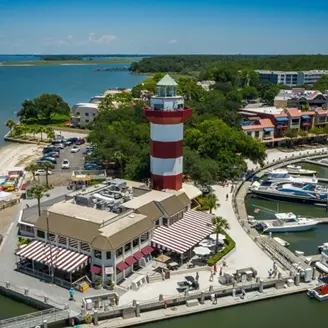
201,251
221,237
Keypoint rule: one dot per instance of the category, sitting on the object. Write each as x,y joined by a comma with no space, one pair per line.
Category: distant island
68,62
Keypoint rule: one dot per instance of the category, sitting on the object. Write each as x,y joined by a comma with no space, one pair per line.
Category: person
243,293
227,196
214,267
224,263
231,189
220,271
197,276
275,266
270,273
71,294
211,276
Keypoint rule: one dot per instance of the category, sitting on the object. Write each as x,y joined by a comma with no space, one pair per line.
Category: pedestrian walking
211,276
214,267
71,294
227,196
231,189
197,276
220,271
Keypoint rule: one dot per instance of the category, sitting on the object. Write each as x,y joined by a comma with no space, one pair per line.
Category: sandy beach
15,154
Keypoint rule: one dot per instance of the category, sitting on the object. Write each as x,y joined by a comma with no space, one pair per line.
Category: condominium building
291,78
300,97
83,113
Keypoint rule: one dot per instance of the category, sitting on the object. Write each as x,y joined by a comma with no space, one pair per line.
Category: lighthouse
166,116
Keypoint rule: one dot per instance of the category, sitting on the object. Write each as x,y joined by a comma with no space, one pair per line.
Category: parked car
90,166
54,154
80,141
65,164
68,142
51,149
58,144
75,149
49,159
42,172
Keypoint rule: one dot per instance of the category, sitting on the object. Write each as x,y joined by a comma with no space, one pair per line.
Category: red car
80,141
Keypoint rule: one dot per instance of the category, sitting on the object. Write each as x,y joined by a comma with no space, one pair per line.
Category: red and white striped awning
184,234
62,259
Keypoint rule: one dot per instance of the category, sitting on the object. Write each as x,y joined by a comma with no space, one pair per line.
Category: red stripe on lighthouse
161,149
160,182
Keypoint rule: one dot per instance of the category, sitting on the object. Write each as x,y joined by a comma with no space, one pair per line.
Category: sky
163,27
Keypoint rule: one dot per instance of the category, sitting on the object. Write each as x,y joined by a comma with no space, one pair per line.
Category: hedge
230,245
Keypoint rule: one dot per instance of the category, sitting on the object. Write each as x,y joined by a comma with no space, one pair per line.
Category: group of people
273,271
214,271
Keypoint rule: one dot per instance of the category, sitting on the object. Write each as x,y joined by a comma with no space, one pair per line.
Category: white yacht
322,265
287,222
293,169
284,175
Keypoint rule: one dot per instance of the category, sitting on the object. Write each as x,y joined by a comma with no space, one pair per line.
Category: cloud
54,42
173,41
102,39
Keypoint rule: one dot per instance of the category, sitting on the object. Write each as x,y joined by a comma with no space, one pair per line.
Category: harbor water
10,308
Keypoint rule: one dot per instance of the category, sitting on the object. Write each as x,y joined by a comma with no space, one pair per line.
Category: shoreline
64,63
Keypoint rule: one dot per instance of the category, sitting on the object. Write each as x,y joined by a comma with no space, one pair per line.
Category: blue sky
157,27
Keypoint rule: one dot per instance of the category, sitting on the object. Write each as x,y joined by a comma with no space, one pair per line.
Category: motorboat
322,263
286,222
294,169
320,293
323,247
284,175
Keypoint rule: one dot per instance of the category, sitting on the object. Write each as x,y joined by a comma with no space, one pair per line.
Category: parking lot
62,176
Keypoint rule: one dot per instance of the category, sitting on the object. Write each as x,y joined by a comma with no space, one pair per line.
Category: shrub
230,245
98,282
110,283
23,241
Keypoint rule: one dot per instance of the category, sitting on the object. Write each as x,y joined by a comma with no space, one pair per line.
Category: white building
291,78
83,114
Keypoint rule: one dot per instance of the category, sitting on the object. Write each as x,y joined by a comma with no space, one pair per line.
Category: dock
310,161
321,220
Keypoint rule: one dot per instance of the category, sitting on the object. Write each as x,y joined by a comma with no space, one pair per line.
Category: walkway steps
36,319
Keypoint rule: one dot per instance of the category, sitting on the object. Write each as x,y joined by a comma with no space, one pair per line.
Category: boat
322,265
281,241
294,169
320,293
323,247
286,222
284,175
303,192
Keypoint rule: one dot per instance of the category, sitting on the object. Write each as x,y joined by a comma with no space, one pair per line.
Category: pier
309,161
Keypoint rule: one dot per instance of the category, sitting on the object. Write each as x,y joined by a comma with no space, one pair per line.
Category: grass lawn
69,62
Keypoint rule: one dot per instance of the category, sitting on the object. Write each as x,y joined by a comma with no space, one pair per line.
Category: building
206,85
166,115
255,122
83,113
111,91
291,78
300,98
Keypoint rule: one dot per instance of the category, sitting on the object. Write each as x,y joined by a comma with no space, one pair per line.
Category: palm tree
219,224
33,129
11,125
211,202
38,191
31,168
47,166
24,129
41,130
50,133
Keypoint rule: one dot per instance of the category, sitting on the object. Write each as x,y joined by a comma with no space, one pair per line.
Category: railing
35,319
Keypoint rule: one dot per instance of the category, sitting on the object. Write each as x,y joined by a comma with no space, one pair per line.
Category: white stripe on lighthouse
166,132
169,166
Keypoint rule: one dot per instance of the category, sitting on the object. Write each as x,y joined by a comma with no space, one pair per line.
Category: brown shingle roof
150,210
184,200
172,205
294,112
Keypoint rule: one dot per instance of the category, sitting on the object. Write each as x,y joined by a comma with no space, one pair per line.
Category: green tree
211,201
50,133
38,191
28,110
270,94
33,129
47,166
322,83
250,92
291,135
219,225
41,129
11,125
188,88
32,168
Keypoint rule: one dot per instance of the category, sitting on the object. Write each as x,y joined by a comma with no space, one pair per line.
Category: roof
146,198
172,205
264,110
167,81
150,210
294,112
191,191
90,105
262,124
119,232
183,199
80,213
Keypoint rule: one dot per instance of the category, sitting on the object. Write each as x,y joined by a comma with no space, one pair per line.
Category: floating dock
310,161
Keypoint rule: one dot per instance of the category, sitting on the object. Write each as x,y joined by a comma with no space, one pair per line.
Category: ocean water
75,83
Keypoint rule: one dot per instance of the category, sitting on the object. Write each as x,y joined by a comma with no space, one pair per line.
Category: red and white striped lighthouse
166,115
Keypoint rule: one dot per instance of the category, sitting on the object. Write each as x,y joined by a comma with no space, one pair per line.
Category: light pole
50,246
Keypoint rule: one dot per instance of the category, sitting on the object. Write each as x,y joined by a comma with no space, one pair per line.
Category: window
97,254
94,114
41,234
73,243
127,247
144,237
52,237
108,255
86,114
77,113
257,134
157,223
119,252
135,242
86,121
62,240
85,247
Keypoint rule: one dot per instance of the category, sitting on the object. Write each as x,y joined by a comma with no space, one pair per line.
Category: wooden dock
310,161
321,220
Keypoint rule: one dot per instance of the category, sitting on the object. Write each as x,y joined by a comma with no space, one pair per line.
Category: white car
42,172
75,149
65,164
